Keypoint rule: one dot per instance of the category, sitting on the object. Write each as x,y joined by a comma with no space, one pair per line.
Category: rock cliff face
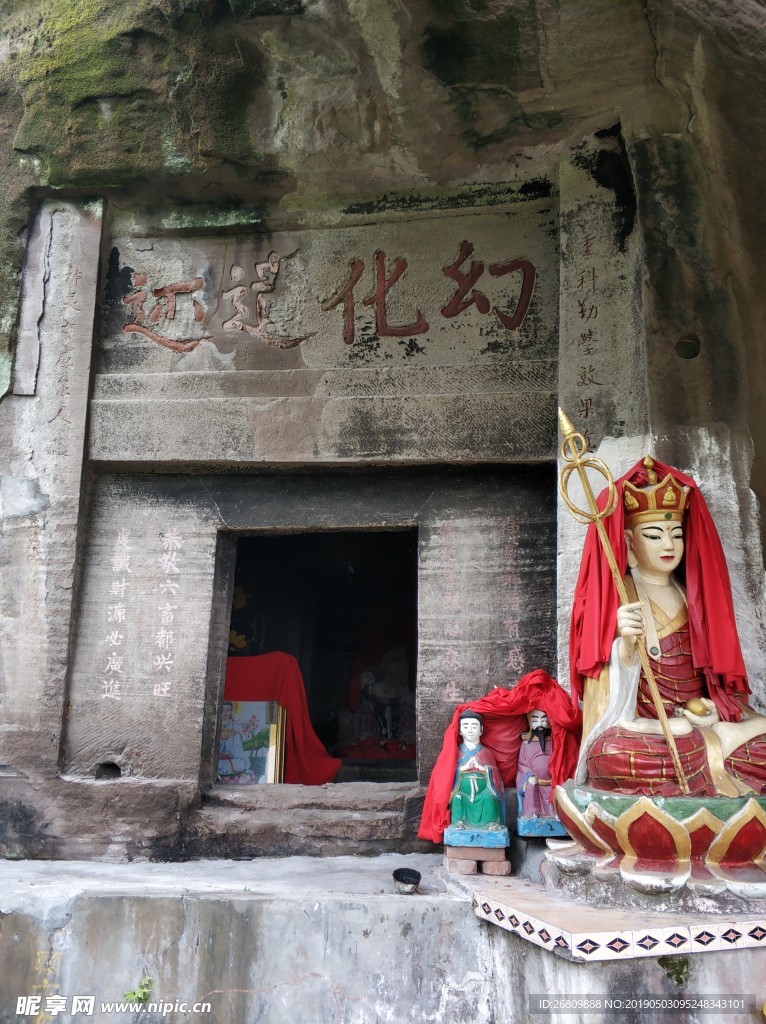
233,103
175,120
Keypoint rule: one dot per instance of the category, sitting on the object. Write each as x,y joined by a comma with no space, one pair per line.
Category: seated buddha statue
681,609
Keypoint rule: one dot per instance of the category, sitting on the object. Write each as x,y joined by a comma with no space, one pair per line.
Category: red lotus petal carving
653,843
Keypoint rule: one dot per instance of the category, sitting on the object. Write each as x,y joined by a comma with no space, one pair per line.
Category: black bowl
407,880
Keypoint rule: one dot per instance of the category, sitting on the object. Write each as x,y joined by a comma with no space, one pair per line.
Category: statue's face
658,545
470,729
538,720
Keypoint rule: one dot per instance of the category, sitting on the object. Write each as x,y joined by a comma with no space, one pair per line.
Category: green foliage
141,993
677,968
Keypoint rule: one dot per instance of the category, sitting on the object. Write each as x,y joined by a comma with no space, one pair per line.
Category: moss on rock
101,94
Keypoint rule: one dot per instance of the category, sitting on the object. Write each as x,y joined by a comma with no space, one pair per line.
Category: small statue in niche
385,688
476,802
247,629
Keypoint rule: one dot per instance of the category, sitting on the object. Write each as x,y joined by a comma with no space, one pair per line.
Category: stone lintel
299,431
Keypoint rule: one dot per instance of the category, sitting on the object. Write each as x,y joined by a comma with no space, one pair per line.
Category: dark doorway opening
345,605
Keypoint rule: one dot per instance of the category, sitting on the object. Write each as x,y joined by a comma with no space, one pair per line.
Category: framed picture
252,750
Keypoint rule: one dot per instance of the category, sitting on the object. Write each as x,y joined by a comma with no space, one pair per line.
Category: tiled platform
581,932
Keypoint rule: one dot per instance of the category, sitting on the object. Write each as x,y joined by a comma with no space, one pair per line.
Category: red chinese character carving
264,284
346,296
466,280
137,298
166,294
383,285
528,272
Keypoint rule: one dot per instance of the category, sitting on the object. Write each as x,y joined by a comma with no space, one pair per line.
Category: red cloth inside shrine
504,714
277,676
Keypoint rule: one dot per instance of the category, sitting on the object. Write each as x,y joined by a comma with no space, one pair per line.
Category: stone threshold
347,796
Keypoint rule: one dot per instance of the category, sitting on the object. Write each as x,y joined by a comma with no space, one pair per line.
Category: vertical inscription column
602,361
137,688
117,619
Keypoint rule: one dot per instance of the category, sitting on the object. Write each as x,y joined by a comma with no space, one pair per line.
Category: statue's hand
707,720
532,780
630,626
630,621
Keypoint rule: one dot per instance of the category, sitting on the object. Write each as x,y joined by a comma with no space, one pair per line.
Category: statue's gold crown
663,499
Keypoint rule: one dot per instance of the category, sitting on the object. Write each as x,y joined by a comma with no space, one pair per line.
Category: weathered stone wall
377,336
42,432
142,671
239,104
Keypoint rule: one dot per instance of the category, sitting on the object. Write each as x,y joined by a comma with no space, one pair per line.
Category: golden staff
572,451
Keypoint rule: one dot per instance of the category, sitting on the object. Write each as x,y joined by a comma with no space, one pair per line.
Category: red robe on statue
505,718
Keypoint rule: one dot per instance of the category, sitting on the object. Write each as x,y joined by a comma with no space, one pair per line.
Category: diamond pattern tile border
695,933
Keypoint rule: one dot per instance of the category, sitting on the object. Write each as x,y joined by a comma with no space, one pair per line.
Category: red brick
496,867
475,852
461,867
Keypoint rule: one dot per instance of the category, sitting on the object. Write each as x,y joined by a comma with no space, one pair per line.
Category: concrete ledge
325,941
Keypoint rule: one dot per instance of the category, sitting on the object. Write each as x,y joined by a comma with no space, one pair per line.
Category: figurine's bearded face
538,720
656,546
470,729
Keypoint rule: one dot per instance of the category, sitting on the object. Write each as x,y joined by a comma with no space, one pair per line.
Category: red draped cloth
277,676
713,638
504,713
